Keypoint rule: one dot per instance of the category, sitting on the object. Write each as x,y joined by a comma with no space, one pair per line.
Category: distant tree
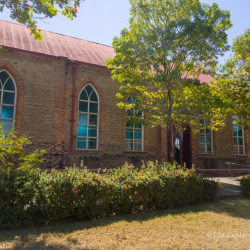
169,43
234,79
28,11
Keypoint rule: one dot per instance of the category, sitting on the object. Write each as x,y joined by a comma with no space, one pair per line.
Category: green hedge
27,198
245,185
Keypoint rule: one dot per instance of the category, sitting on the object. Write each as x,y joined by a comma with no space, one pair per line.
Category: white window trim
212,144
243,141
15,100
142,139
88,113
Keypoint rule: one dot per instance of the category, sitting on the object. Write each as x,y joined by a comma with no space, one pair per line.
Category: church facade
59,92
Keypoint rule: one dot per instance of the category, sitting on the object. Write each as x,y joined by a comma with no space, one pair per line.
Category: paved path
232,189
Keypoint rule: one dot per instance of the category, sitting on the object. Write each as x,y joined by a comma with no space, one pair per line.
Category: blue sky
100,20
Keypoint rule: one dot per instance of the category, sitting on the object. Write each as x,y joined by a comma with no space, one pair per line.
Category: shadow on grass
239,208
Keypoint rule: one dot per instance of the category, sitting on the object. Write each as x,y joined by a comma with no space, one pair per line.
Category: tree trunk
171,142
171,129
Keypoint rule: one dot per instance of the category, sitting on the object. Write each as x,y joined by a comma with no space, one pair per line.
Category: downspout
74,70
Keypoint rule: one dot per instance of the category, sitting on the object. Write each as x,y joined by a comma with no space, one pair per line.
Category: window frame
243,139
9,105
205,134
88,113
134,129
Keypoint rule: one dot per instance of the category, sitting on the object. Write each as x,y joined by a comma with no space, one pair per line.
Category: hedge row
245,185
31,197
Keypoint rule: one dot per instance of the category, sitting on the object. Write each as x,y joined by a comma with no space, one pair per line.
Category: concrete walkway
231,189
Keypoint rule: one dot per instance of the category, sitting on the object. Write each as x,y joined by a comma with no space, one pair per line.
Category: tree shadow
239,208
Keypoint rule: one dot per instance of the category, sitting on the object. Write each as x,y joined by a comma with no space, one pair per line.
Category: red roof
17,36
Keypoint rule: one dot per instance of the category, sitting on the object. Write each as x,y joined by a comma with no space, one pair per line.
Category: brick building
59,92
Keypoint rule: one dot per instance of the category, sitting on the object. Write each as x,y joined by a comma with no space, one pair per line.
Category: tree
24,11
169,43
14,152
234,80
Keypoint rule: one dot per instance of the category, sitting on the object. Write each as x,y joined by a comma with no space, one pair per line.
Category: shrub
245,185
29,197
14,152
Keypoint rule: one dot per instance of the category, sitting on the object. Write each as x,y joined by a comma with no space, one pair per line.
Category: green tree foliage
169,43
234,80
15,154
28,11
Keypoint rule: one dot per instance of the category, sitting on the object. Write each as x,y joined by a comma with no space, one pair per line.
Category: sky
100,20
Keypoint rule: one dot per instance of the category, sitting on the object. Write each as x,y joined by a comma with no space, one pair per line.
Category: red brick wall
44,99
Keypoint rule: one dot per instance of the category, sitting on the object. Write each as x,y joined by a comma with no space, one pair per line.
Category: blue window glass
240,132
7,125
129,133
83,106
8,98
92,131
9,85
138,126
92,119
138,145
7,112
93,97
235,131
82,130
129,144
88,89
235,141
92,143
84,95
83,118
202,139
138,134
81,143
93,107
3,77
240,141
208,139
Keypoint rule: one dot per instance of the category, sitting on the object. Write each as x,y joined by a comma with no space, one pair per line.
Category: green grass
205,226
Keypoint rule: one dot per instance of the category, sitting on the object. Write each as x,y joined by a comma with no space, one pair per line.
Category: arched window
7,101
134,134
88,119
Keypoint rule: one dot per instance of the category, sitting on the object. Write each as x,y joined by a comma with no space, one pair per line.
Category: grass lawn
205,226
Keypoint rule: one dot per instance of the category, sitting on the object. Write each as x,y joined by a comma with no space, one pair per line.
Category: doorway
183,148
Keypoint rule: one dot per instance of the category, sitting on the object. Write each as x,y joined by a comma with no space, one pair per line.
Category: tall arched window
7,101
88,119
134,134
